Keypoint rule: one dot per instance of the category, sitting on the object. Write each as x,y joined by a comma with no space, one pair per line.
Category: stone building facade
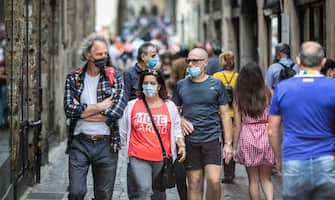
43,37
251,28
298,21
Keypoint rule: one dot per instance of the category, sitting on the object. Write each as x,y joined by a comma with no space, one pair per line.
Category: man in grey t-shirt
205,110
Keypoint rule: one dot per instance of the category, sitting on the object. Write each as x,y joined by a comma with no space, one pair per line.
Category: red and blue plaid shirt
74,86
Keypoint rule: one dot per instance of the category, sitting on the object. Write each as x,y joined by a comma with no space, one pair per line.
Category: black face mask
100,63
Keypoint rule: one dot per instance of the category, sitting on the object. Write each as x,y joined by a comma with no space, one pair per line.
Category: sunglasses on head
150,71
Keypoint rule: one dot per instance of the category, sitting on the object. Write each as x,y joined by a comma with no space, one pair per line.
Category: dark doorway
236,33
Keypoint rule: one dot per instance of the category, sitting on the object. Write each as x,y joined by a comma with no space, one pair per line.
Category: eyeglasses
194,61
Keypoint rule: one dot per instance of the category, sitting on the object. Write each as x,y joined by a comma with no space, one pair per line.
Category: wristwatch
229,142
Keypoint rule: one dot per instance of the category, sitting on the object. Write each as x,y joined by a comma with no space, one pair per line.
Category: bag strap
109,70
231,78
155,128
291,66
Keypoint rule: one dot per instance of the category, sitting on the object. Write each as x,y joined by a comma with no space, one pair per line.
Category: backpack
229,89
110,71
286,72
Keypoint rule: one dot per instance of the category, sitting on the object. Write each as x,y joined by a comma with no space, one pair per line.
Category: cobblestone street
54,181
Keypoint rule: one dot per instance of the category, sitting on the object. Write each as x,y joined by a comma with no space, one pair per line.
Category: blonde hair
227,60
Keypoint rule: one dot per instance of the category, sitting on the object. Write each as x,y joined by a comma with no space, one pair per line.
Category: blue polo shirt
306,104
200,102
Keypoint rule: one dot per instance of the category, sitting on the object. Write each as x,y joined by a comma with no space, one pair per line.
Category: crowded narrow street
167,99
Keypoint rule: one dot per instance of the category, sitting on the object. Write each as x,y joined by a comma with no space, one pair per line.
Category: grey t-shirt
200,105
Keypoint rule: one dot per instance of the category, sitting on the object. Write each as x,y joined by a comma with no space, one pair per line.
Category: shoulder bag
166,178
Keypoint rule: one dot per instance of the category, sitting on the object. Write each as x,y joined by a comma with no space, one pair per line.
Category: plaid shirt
74,86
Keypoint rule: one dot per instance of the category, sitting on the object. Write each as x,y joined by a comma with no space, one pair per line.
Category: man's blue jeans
309,179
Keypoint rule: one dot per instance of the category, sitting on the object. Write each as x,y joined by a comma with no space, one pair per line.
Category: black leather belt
94,137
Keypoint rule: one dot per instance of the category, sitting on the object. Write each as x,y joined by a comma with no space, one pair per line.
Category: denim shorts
309,179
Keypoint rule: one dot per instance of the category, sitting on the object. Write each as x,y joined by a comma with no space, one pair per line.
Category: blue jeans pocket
326,168
294,179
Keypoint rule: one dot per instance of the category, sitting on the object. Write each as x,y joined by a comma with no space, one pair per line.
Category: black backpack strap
231,78
291,66
155,128
282,64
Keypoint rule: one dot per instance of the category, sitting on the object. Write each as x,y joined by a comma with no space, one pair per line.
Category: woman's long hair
251,95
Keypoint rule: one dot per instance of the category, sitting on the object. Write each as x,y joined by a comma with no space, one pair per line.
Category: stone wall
43,38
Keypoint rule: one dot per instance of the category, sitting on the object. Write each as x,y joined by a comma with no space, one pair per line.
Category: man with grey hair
146,58
306,106
93,101
272,75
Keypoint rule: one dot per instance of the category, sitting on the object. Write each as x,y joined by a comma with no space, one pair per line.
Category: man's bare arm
275,139
228,132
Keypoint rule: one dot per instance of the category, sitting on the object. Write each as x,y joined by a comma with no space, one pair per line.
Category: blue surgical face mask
149,90
194,71
152,63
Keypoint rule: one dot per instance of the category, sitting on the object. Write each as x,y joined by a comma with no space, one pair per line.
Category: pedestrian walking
251,142
283,60
213,65
143,146
228,77
305,151
204,108
145,58
93,101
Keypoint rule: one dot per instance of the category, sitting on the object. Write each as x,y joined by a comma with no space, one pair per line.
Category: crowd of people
169,106
143,92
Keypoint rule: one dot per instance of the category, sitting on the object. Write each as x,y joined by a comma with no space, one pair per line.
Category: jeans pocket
326,168
293,183
294,178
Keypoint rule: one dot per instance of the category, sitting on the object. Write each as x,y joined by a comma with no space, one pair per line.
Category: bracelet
229,142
